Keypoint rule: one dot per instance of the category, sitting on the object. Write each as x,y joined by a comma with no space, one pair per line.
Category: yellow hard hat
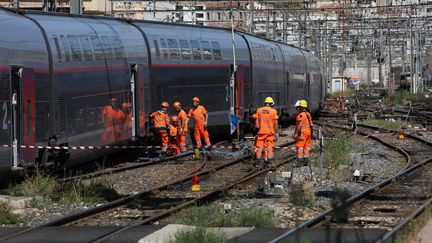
269,100
301,103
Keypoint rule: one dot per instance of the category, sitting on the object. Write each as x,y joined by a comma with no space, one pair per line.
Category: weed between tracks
247,217
336,152
45,190
6,214
199,235
388,124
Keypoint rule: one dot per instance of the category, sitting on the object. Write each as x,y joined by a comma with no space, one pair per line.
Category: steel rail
122,201
321,217
205,197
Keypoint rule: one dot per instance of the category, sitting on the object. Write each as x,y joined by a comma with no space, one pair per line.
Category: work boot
259,162
298,162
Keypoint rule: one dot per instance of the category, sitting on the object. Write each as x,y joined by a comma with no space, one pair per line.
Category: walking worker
200,117
182,126
266,123
303,132
173,144
161,125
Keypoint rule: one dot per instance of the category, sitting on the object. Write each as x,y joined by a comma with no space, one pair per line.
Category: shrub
6,214
247,217
199,235
302,194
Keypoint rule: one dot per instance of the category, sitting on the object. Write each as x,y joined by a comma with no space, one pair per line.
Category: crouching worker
174,148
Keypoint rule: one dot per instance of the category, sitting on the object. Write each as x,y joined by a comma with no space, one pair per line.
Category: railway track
388,205
160,193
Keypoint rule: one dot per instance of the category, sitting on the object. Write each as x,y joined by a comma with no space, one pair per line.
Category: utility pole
380,55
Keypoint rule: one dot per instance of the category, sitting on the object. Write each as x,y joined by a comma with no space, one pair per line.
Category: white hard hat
297,103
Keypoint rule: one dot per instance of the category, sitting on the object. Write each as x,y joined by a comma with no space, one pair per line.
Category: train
60,72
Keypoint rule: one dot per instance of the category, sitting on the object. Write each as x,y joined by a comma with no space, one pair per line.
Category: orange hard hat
195,99
177,104
174,119
165,104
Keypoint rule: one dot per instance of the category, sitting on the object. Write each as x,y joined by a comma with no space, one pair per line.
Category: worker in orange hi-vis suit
173,144
161,125
182,126
303,132
200,117
110,115
268,131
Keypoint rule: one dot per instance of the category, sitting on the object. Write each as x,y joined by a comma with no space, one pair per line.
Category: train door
23,130
137,100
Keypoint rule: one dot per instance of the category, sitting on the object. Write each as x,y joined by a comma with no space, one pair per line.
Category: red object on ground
195,180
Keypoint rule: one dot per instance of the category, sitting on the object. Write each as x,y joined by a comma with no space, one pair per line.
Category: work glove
205,125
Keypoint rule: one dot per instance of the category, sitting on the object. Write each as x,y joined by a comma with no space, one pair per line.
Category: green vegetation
199,235
405,96
6,214
247,217
337,151
45,190
302,194
395,125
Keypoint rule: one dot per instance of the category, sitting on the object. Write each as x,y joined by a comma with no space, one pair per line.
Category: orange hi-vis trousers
182,143
201,133
264,144
303,144
162,135
174,148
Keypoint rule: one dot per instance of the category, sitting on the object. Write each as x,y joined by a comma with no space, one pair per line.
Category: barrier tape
86,147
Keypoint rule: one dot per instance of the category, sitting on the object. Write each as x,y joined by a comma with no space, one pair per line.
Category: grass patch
247,217
199,235
6,214
45,190
337,151
395,125
405,96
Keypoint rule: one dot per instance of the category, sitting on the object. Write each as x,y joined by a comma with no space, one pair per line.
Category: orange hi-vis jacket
306,120
198,115
182,119
173,132
161,119
265,117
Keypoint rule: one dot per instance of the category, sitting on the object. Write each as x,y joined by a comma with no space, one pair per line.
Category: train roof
23,12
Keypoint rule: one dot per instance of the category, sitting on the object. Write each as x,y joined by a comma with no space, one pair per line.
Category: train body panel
188,61
24,83
267,72
86,77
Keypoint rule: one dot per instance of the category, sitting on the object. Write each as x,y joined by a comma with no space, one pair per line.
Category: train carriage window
58,50
156,48
86,47
216,50
97,47
118,47
107,47
185,49
66,48
173,49
206,50
196,49
164,48
75,47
